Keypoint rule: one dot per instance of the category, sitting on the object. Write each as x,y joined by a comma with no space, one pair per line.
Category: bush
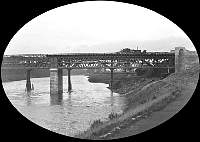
143,101
113,115
154,97
96,123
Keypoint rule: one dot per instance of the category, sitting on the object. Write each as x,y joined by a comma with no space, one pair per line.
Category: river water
74,113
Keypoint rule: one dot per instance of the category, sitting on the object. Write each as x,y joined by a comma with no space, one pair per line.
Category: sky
83,26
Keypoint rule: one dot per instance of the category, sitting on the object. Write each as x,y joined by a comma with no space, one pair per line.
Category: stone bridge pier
28,80
56,79
69,80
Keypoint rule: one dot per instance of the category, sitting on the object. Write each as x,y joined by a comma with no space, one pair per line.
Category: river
74,113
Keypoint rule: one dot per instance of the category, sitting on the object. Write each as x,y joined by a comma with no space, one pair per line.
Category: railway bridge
56,63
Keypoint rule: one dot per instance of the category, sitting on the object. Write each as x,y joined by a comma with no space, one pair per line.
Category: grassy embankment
159,99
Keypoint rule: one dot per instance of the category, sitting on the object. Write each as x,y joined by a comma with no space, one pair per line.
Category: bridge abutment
179,59
28,80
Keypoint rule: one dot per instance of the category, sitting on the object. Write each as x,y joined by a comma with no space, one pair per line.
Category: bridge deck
83,67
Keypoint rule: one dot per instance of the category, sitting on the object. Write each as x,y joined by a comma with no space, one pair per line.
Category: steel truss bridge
90,61
57,62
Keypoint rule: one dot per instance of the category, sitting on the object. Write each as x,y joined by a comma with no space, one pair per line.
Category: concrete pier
28,80
56,81
179,59
69,80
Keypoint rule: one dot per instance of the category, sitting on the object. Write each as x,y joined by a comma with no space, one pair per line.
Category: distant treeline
20,74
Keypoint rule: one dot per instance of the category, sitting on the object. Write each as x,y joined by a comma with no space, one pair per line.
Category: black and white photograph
99,70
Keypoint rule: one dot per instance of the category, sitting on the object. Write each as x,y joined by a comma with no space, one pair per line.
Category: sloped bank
123,83
146,105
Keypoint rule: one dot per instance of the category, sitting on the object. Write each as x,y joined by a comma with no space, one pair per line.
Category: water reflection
68,112
69,100
111,99
56,99
27,96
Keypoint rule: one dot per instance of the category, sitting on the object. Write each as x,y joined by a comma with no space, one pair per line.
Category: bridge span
111,61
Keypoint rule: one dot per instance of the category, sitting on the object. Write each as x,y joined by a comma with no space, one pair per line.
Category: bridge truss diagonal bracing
57,62
116,61
91,61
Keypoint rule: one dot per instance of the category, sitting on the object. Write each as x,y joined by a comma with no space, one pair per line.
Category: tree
125,50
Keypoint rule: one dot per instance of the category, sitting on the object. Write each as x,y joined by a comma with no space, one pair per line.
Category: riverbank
148,106
123,83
